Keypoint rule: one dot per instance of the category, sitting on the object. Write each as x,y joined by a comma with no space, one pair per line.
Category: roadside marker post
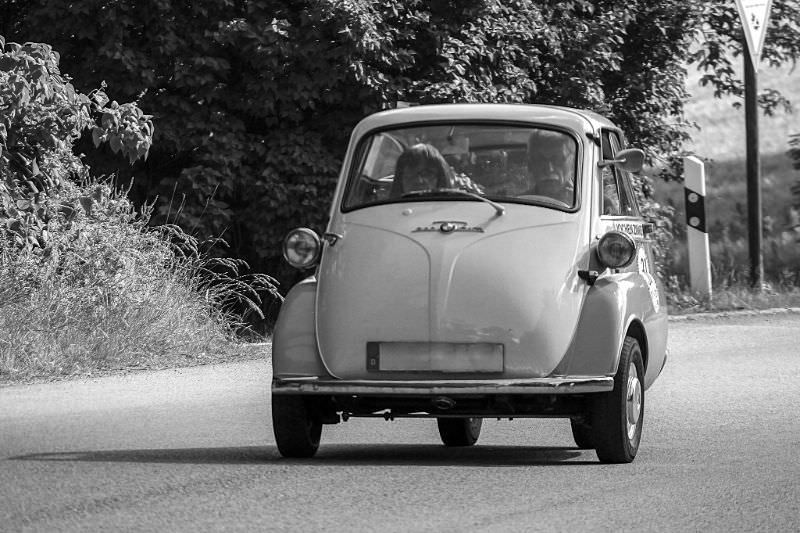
696,229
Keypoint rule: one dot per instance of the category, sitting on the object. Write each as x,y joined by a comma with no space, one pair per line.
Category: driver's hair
421,155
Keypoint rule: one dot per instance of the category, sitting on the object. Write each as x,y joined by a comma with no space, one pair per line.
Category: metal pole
753,172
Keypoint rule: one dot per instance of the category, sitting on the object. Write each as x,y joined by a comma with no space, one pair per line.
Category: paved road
190,450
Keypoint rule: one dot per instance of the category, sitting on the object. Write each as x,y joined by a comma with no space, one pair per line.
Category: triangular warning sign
755,17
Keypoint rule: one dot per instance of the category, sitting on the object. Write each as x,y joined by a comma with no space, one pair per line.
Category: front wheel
617,416
459,431
582,434
297,429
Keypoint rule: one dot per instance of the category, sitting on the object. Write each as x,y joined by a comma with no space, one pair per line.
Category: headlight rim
625,238
314,241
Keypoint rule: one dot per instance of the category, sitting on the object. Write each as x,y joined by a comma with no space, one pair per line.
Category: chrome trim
436,387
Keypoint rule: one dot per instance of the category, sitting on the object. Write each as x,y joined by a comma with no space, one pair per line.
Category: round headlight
301,248
616,249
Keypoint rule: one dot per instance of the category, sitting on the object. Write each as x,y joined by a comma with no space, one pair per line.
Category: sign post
755,17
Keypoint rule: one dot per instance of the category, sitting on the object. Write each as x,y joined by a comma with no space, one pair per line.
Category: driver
421,168
551,164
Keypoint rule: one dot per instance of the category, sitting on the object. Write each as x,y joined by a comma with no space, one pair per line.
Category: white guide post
696,232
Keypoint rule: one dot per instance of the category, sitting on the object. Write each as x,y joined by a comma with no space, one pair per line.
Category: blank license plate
434,357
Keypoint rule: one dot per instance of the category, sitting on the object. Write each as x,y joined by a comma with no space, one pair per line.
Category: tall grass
109,292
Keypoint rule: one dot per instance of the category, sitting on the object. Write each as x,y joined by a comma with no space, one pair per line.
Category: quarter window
618,199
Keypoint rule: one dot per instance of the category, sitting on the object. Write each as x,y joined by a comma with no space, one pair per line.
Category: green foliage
254,100
42,117
87,283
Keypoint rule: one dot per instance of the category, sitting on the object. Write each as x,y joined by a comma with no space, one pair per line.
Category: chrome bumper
443,387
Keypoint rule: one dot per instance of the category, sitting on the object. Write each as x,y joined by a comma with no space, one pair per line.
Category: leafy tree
254,99
720,41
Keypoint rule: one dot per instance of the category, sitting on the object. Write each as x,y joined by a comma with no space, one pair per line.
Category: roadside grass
681,300
110,293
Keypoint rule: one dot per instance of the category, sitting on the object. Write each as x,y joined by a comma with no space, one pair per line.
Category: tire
459,431
297,430
582,434
617,416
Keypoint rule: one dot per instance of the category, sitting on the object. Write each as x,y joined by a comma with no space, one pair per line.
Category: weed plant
109,292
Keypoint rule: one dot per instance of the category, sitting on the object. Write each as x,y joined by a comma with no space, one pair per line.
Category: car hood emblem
449,226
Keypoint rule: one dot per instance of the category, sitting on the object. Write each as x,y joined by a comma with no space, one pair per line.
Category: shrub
87,283
110,292
42,118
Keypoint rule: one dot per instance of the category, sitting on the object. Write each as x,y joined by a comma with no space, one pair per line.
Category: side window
611,200
617,195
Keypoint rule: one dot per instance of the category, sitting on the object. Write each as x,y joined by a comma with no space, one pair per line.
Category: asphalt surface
192,450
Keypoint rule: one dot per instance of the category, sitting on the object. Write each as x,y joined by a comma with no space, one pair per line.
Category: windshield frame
360,153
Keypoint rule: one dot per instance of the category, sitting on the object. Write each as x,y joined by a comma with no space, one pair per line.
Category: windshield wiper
499,209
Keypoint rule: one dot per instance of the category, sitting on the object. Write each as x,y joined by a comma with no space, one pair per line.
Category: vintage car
480,260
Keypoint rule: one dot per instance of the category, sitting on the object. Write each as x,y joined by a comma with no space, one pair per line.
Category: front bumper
313,385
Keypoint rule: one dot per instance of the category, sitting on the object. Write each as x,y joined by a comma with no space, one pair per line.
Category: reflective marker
696,235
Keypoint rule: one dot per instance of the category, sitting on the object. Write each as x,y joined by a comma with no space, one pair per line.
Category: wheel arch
294,341
637,331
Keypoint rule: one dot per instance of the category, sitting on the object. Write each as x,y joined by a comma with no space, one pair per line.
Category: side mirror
629,160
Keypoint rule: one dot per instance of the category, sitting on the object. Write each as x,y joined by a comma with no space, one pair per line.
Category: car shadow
338,454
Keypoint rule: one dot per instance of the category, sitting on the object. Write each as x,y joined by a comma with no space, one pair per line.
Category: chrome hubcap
633,401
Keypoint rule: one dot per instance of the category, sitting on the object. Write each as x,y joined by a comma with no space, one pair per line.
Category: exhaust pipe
443,403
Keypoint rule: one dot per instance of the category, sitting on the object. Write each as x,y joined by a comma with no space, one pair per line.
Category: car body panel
462,287
294,343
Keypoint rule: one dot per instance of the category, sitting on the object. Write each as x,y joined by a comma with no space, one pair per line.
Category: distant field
721,140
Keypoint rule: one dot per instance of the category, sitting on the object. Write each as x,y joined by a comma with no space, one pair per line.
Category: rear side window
618,199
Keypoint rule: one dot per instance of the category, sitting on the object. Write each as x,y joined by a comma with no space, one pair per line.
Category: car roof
566,117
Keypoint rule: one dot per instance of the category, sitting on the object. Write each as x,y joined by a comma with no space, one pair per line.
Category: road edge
736,313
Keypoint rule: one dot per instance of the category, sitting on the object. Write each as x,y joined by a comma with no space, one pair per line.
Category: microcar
480,261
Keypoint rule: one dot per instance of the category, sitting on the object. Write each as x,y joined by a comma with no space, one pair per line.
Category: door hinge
589,276
331,238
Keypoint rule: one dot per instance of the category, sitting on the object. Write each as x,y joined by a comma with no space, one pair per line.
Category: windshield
503,163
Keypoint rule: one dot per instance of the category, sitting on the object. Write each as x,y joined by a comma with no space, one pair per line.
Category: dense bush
86,282
42,117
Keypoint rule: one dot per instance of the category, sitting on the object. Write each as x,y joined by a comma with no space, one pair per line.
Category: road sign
755,18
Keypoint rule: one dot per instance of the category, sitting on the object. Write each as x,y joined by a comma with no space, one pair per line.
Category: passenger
421,168
551,165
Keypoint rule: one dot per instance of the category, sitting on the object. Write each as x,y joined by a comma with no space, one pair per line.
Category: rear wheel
297,429
459,431
582,433
617,416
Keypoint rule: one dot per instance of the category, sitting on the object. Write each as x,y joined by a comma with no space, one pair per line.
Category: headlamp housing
301,248
616,249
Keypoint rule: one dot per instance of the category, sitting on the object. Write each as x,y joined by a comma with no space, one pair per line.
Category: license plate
446,357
